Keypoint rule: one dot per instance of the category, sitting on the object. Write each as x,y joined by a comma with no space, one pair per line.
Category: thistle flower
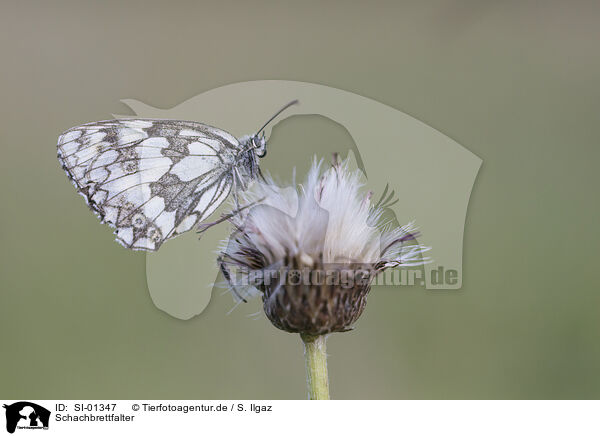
313,254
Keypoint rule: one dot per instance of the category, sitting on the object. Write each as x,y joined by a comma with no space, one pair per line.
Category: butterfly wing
151,180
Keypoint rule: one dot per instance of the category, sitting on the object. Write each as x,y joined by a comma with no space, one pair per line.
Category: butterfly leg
239,183
227,274
236,199
262,177
202,227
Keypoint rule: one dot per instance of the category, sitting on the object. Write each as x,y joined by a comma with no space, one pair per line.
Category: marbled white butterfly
151,179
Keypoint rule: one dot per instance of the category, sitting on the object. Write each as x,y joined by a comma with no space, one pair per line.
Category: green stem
315,354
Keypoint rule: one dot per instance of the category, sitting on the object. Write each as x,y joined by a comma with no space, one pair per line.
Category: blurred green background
517,83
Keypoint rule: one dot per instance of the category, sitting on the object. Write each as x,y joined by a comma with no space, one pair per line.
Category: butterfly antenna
291,103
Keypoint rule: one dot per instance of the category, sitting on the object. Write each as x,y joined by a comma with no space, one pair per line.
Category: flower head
313,254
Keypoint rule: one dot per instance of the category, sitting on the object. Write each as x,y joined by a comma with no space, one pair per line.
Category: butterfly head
259,142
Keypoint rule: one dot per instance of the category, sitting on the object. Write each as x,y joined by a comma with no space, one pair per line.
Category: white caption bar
301,417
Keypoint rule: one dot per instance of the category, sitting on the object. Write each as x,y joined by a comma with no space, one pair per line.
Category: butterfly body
246,167
152,180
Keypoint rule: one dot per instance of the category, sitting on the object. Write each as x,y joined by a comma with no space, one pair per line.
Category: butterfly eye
260,145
